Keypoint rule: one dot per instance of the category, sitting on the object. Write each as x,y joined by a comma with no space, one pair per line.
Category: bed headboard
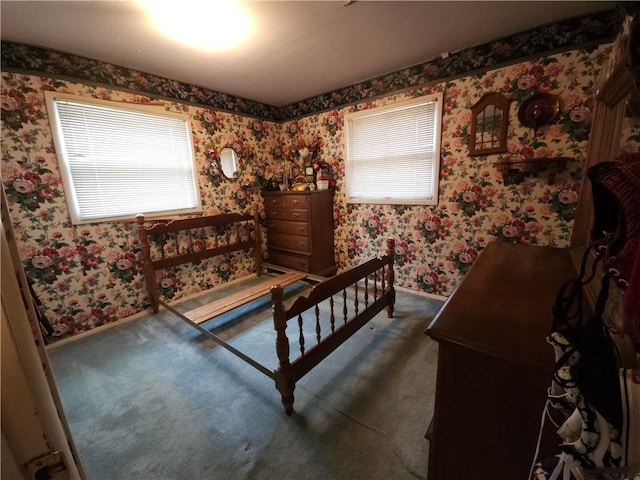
168,243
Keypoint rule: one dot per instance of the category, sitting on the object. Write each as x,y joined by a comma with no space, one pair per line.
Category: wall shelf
515,169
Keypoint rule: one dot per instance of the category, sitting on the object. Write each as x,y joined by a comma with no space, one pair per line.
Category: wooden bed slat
226,304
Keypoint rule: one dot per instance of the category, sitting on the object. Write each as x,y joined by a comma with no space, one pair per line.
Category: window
118,160
393,153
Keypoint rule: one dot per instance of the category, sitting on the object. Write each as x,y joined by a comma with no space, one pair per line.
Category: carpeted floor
153,398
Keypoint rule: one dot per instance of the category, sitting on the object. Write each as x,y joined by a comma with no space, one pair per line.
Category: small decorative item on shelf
300,184
323,175
310,173
516,167
323,184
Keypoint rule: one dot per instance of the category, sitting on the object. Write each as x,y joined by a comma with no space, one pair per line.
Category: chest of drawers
300,230
494,365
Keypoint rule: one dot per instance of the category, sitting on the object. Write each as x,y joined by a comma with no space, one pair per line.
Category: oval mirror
230,163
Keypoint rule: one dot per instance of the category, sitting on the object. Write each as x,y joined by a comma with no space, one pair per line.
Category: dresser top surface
503,305
296,192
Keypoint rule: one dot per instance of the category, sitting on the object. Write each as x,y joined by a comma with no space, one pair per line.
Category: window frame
70,194
436,98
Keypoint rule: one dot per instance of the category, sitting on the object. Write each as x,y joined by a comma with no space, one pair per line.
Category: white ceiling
300,49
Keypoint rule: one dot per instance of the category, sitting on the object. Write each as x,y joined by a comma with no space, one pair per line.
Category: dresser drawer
295,201
290,228
287,201
290,242
274,202
297,215
296,262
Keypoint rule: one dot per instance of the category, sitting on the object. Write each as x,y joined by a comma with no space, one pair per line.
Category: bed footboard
336,309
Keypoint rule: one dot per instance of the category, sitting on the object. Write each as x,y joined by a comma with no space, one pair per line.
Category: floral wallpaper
437,245
90,275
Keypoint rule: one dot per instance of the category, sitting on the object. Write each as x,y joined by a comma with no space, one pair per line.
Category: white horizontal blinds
392,153
123,162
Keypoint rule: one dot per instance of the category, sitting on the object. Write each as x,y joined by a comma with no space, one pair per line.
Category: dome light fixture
204,24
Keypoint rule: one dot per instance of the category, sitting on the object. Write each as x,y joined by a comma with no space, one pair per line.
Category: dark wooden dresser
494,364
300,230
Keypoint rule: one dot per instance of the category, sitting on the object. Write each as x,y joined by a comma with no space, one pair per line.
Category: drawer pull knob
295,202
300,229
301,244
295,215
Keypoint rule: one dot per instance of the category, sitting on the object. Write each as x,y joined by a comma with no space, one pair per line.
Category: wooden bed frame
348,300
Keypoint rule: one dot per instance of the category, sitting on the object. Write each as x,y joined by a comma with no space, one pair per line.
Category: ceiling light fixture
204,24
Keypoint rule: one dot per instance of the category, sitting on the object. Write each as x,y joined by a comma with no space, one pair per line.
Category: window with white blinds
118,160
393,153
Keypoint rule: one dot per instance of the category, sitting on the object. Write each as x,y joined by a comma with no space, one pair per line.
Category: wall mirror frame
489,123
229,164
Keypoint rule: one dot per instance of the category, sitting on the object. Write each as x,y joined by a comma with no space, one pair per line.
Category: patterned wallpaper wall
437,245
90,275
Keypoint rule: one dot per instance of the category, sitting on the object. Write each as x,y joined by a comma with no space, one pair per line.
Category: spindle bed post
284,383
257,249
390,290
149,272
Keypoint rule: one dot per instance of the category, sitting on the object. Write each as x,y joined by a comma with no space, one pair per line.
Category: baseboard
144,313
433,296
